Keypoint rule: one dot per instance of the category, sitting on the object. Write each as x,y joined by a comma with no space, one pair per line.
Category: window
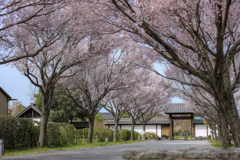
197,117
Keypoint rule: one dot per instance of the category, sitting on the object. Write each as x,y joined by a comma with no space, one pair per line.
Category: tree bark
90,129
215,134
232,117
115,130
212,133
219,131
223,128
229,107
132,131
43,127
144,128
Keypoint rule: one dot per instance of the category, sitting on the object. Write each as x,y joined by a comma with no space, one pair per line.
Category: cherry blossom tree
200,37
19,13
94,81
149,95
115,103
200,98
63,41
160,94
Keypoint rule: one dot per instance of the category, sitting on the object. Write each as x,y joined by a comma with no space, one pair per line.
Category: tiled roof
198,121
29,107
178,108
5,93
129,121
107,115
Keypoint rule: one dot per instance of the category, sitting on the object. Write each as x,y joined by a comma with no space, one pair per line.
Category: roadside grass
217,144
181,137
76,146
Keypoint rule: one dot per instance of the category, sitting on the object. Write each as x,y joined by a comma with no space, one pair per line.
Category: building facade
164,127
31,112
4,99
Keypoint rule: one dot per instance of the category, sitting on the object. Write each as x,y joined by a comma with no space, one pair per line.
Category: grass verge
217,144
76,146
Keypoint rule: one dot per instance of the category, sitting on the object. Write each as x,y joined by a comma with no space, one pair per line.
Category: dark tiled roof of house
5,93
178,108
29,107
129,121
198,121
107,115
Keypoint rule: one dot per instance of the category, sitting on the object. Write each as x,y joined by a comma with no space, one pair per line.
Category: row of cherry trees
59,44
199,38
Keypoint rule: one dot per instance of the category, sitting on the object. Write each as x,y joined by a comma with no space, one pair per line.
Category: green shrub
80,135
151,135
125,135
209,136
59,134
23,133
18,132
103,133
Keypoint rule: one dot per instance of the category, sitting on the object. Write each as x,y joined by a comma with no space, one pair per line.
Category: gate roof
179,108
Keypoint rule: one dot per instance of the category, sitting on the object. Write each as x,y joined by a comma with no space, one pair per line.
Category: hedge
151,135
22,133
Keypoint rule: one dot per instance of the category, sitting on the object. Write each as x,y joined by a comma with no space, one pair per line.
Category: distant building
164,127
31,112
4,99
106,115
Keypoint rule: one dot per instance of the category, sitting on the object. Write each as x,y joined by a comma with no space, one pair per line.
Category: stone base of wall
182,154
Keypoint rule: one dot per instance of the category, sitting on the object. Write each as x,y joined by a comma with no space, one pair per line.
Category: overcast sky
20,88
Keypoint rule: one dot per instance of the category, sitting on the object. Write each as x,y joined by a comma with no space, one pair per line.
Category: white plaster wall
126,127
201,130
138,128
159,131
37,120
209,130
151,128
112,127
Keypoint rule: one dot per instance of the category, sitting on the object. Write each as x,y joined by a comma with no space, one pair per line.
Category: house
31,112
164,127
4,99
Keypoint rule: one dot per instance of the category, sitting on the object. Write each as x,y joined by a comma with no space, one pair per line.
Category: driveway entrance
108,152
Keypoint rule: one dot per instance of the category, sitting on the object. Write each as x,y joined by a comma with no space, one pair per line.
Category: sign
142,132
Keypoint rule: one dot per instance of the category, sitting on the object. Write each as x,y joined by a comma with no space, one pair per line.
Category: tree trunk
43,128
223,128
229,106
132,131
215,134
90,129
212,133
144,128
219,131
115,130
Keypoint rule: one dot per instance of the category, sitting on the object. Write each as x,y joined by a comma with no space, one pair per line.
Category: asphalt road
108,152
